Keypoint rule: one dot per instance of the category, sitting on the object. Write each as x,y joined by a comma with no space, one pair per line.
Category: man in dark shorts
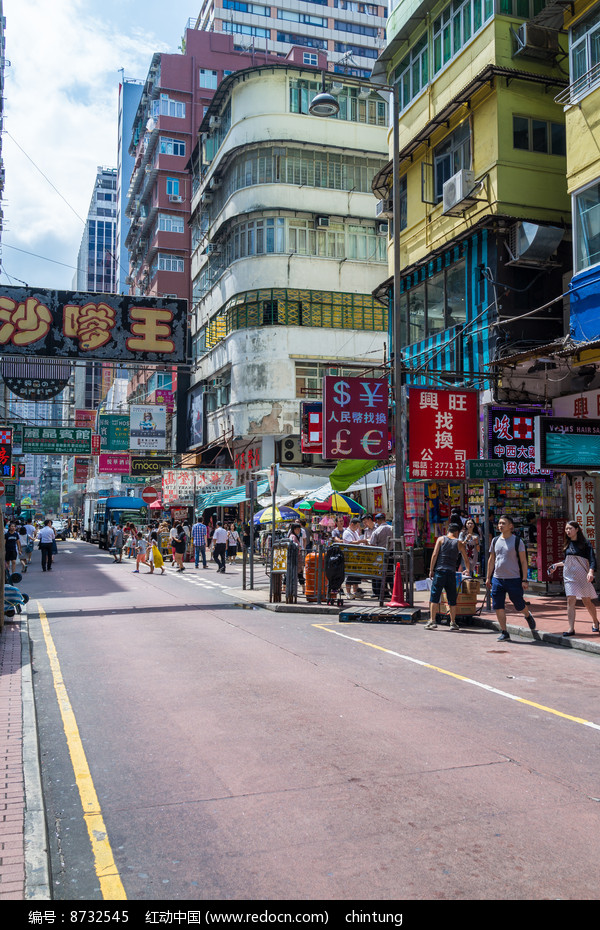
507,574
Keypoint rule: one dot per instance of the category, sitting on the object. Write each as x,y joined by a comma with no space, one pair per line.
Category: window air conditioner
214,122
212,249
215,182
385,207
382,229
457,189
206,197
321,221
175,198
537,42
218,382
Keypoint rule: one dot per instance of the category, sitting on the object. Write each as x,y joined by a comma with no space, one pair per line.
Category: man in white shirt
353,536
46,537
219,547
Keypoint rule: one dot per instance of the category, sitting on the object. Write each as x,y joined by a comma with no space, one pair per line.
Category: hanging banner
511,440
442,432
147,428
195,417
355,416
80,470
34,379
111,327
584,507
247,458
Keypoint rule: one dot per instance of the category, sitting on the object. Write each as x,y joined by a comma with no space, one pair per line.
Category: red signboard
6,442
442,432
149,495
511,438
355,418
550,545
96,443
85,418
584,506
311,418
114,463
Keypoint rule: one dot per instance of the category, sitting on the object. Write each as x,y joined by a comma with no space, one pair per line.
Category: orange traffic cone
398,591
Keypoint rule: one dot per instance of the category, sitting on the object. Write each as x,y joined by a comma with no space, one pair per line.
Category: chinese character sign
178,484
60,440
550,545
583,406
6,436
511,432
442,432
85,418
147,428
247,459
114,432
211,480
584,506
355,418
113,463
68,324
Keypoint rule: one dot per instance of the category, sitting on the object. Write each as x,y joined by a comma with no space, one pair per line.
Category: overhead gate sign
72,324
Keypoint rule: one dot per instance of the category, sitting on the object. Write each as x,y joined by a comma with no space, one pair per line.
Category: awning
229,498
376,478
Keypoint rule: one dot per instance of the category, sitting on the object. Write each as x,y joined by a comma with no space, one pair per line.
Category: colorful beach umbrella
339,503
282,515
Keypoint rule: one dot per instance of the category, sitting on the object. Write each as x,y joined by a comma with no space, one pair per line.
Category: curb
37,870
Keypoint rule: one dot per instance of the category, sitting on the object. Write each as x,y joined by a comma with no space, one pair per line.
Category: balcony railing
579,88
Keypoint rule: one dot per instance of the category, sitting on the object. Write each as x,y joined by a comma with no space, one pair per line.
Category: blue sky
61,91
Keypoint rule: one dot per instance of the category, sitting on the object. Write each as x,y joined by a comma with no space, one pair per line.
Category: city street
237,753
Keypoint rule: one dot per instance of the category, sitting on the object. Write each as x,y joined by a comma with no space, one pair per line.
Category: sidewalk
23,841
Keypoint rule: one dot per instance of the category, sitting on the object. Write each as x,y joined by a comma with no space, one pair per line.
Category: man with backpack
507,574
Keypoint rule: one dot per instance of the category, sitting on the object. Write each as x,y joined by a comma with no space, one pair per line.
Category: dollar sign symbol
344,395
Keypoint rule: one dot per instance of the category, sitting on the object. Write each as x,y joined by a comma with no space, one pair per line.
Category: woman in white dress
579,569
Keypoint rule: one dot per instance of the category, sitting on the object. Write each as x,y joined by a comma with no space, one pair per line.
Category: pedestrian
199,540
380,537
47,539
130,543
180,543
30,531
445,559
338,530
579,569
172,538
23,540
219,547
117,544
470,536
352,535
154,557
295,536
141,546
12,546
233,539
507,574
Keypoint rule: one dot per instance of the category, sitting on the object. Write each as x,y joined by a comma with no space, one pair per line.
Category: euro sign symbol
339,388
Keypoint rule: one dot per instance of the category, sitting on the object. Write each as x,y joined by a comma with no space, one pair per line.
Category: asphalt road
238,753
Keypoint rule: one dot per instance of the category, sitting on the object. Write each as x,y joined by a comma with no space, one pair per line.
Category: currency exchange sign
355,418
442,432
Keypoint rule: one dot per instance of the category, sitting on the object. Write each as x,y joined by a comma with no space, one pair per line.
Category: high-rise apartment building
130,93
350,33
96,262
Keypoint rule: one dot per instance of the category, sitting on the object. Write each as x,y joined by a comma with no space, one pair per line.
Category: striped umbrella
339,503
282,515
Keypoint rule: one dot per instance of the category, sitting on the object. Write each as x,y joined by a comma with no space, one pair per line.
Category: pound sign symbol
339,388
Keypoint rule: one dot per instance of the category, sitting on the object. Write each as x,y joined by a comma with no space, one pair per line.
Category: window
295,39
169,263
309,377
173,187
536,135
306,18
586,214
169,107
585,51
371,110
246,30
450,156
456,26
434,305
309,58
171,146
526,9
413,72
356,28
209,78
168,223
403,202
255,8
358,50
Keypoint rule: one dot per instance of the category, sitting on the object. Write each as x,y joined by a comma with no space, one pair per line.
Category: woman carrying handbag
579,569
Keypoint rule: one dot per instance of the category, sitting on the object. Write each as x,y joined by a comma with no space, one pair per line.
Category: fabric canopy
231,497
347,471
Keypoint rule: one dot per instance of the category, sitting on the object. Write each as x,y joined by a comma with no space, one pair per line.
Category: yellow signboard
363,560
280,560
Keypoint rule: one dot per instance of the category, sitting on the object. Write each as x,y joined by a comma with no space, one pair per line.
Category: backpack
519,542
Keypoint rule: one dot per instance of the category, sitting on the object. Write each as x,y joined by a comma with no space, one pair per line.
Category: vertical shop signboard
311,419
442,432
355,418
550,545
6,437
584,507
511,437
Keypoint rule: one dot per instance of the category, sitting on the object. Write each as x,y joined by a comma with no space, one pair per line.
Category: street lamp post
326,104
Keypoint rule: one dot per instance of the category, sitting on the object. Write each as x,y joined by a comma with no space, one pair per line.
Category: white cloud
61,94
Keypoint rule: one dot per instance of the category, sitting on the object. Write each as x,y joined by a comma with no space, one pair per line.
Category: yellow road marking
106,869
470,681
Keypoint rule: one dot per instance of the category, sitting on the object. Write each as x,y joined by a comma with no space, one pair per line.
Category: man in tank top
444,561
